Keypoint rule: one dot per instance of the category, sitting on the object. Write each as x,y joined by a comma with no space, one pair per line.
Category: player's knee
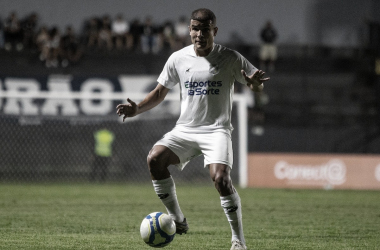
152,159
153,164
155,160
157,166
222,180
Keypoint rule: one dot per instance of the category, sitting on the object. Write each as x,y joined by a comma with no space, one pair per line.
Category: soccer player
205,73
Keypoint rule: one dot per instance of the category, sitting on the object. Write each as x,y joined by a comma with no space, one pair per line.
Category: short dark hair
203,15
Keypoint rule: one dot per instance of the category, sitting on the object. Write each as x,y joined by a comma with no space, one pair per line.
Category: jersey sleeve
169,76
242,63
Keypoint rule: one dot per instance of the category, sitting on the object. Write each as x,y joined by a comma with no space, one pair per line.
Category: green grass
83,216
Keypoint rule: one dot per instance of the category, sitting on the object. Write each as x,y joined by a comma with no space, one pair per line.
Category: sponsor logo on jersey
203,87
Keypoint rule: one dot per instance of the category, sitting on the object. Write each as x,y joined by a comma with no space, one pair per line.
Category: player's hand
128,110
256,79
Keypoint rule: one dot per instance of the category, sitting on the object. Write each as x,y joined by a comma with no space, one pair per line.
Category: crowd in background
61,48
58,47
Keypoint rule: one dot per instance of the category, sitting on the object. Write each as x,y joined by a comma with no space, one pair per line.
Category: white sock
165,189
232,208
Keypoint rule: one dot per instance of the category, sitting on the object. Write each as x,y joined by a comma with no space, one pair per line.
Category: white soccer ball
157,229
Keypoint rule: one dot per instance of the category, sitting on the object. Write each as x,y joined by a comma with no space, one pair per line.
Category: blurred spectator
257,113
102,154
42,42
168,36
106,21
28,27
1,33
120,33
268,50
91,31
149,38
182,32
53,48
105,33
71,48
97,33
12,32
105,37
136,31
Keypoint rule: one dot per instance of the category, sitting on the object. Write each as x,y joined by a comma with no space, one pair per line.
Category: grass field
83,216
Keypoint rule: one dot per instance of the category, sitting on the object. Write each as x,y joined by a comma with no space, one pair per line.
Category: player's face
202,36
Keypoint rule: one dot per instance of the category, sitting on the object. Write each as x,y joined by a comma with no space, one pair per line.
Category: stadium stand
313,87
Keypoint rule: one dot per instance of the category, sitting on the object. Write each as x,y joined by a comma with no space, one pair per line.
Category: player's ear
215,31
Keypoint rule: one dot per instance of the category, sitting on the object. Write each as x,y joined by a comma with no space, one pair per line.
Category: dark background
323,95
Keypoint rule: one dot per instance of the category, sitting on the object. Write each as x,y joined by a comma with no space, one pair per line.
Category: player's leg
96,164
272,56
230,202
159,159
220,175
217,150
263,57
104,170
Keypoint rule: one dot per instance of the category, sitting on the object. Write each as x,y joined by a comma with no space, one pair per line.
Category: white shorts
216,146
268,52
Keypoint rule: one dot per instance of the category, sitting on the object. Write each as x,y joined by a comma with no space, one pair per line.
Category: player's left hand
256,79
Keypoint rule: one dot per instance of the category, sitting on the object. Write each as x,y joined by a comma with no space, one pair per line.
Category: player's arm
256,81
132,109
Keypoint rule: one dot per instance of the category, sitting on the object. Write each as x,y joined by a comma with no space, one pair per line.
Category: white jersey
206,86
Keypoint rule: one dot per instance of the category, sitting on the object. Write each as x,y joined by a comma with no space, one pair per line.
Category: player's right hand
128,109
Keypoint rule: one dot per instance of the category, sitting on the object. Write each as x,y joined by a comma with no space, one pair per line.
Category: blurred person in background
205,73
71,48
268,48
136,31
106,21
149,38
42,40
104,139
29,28
1,33
181,29
168,36
120,33
13,32
53,48
256,113
91,32
104,39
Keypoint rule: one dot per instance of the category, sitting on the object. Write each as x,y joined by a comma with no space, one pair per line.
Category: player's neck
203,53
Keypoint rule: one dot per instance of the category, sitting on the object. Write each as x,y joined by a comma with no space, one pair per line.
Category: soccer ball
157,229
